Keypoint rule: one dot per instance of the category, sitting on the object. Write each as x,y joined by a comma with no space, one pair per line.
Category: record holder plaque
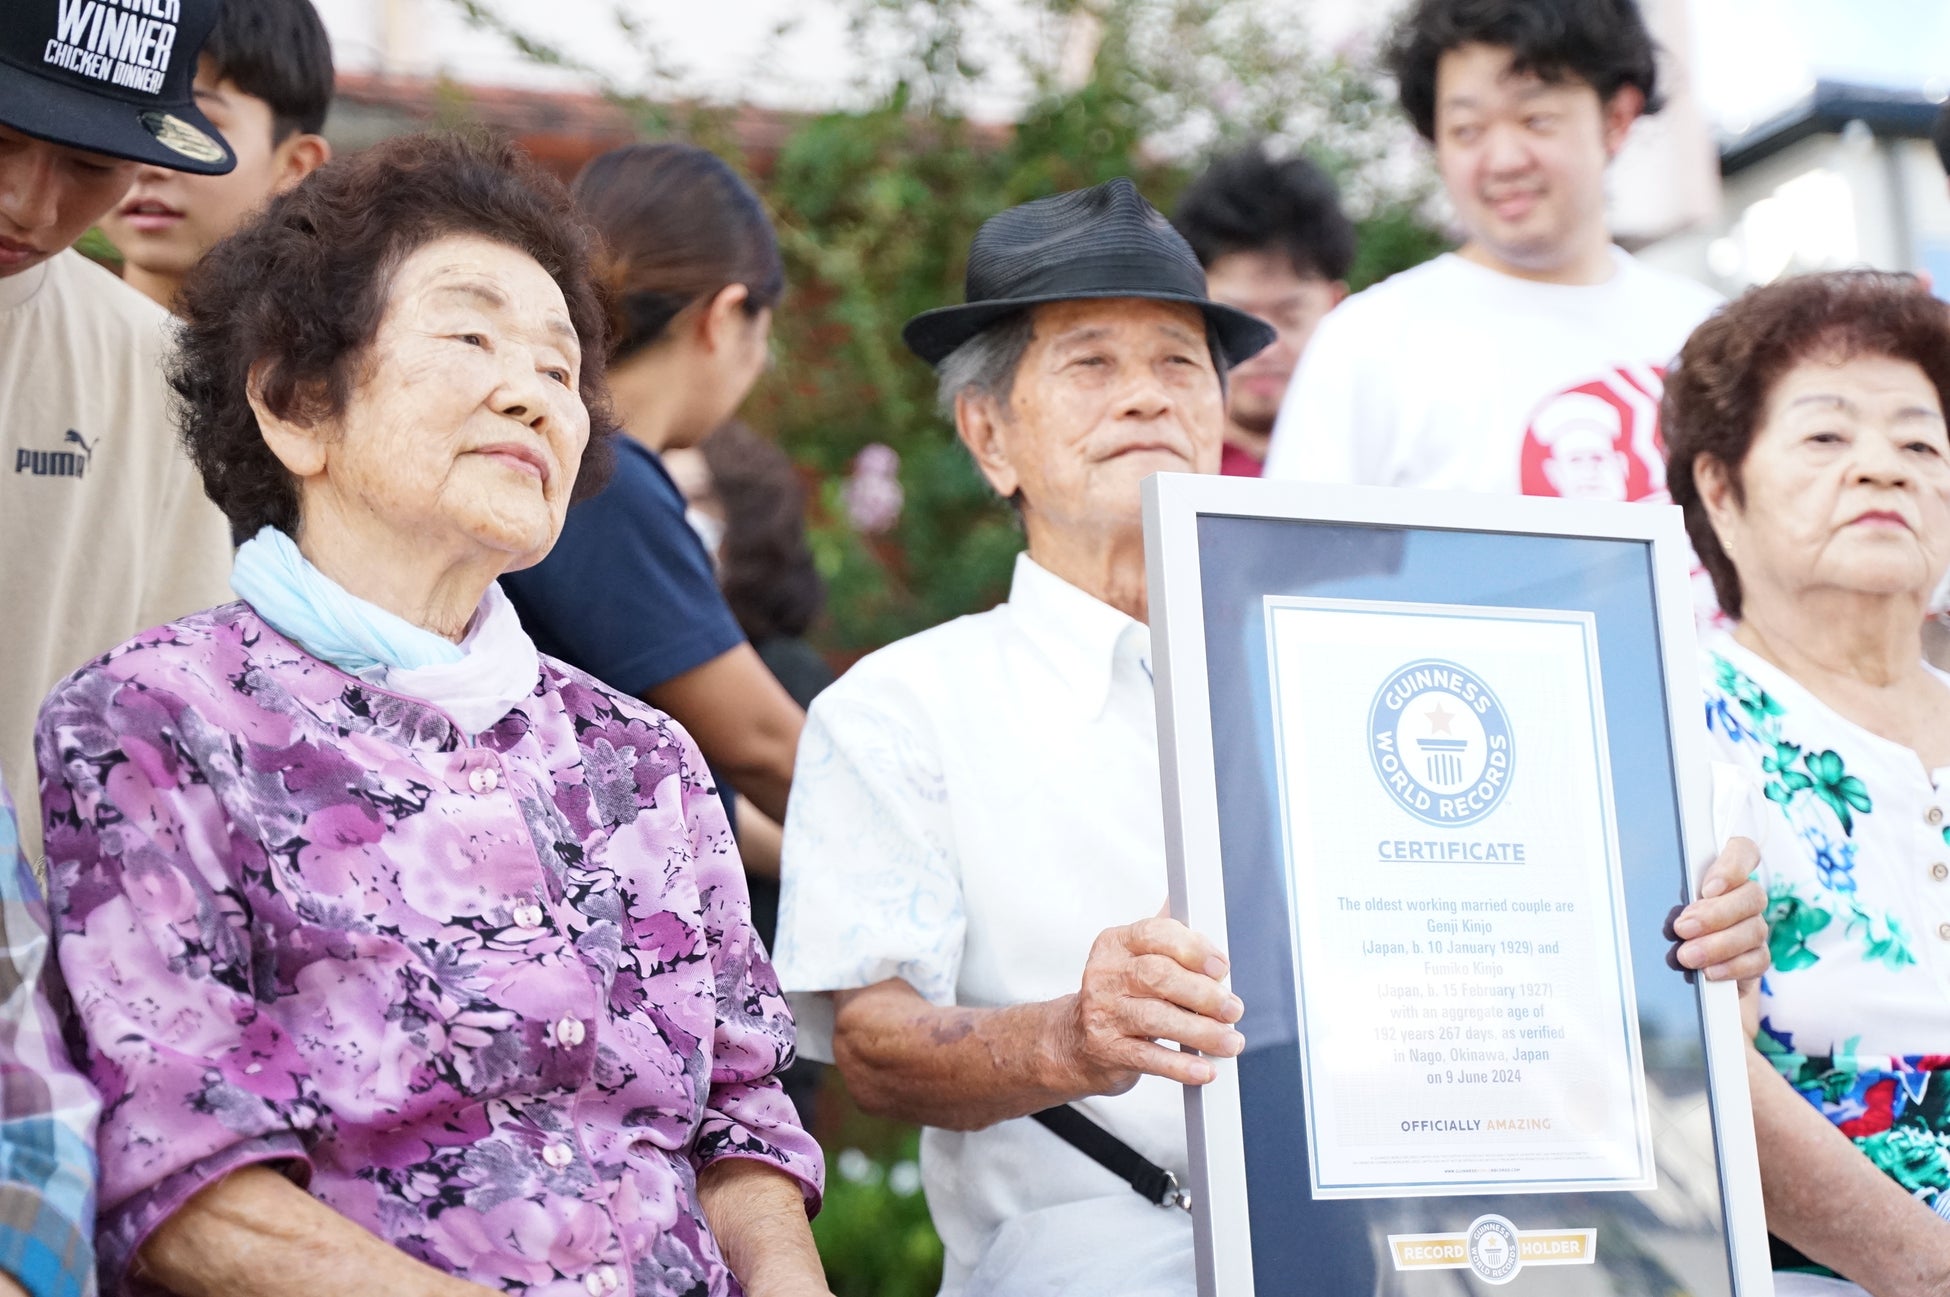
1434,774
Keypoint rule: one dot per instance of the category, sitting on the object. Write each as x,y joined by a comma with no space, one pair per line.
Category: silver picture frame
1185,520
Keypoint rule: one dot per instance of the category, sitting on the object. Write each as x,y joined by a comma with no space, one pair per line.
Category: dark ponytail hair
677,226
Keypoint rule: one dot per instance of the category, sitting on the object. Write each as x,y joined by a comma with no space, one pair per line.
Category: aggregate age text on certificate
1467,1016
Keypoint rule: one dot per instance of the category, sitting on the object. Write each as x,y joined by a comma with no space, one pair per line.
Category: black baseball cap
111,77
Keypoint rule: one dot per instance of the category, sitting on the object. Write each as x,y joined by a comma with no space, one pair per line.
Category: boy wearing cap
1438,377
264,79
104,527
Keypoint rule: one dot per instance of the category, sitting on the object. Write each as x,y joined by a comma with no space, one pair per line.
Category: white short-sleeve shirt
972,807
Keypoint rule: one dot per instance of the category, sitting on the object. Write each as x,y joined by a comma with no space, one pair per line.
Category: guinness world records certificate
1461,895
1434,772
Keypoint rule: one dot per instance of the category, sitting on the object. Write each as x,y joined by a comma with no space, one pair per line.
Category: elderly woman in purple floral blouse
409,961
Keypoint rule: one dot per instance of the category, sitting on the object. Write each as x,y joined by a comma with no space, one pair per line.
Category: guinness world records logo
1494,1252
1440,742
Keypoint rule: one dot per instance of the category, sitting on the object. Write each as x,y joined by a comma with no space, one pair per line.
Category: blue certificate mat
1427,780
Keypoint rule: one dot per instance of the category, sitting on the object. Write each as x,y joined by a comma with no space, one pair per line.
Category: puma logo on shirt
58,463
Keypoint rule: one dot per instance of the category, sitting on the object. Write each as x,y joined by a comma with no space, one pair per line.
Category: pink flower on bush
873,495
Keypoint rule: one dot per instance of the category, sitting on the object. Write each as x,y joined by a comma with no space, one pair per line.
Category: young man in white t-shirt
104,527
1532,358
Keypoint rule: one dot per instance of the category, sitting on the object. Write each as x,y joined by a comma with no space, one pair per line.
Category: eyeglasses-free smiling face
465,430
1523,159
1846,485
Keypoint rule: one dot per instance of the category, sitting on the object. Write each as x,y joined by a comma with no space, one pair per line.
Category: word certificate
1467,1017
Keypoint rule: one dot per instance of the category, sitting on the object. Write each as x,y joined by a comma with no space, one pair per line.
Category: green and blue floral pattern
1851,1017
1805,784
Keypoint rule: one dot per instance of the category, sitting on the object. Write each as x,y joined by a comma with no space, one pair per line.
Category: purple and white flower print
497,1003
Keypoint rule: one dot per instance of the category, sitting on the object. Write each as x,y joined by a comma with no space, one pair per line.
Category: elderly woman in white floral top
1808,449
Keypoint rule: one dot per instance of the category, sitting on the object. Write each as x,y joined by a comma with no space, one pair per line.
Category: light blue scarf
476,681
323,616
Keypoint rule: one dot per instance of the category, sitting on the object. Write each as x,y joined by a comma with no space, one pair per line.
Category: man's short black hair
1603,43
277,51
1940,136
1248,202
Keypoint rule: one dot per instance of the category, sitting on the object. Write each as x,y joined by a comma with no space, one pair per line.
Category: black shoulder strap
1150,1181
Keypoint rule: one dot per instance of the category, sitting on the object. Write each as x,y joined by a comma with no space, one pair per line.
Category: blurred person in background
765,562
691,271
411,960
264,80
1437,377
1274,243
748,503
1809,452
104,529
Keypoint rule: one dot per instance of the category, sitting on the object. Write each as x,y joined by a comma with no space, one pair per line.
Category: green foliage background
875,207
873,1230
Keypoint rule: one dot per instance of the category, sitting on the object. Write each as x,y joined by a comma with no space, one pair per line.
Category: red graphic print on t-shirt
1599,440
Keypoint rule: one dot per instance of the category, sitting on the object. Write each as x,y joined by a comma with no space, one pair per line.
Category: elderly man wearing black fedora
974,865
974,852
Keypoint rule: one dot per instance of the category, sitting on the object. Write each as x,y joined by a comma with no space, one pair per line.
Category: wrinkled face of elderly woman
1108,393
462,438
1847,484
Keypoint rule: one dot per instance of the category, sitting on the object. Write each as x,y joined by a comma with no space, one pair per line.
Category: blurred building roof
1827,110
561,129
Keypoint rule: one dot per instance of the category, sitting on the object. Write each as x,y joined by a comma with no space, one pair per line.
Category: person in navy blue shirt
628,593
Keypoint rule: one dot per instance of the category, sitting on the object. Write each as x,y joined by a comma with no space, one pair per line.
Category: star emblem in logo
1439,740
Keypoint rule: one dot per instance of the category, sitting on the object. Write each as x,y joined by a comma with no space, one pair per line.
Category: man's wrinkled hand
1151,981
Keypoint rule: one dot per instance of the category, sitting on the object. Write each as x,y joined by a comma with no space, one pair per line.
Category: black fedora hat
111,78
1105,241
